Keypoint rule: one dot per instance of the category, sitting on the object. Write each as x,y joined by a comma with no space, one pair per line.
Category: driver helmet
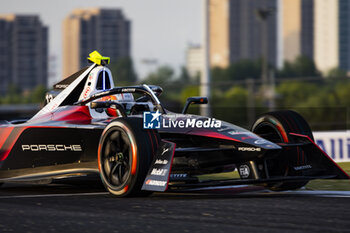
125,98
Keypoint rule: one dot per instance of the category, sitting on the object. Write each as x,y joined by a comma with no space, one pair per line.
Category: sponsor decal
178,175
128,90
86,92
249,149
243,134
234,132
159,172
303,167
335,144
51,147
165,150
156,183
61,86
161,161
244,171
260,141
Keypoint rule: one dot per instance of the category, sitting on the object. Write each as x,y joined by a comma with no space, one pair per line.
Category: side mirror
194,100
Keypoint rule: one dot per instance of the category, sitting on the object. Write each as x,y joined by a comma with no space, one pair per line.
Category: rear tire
125,154
275,127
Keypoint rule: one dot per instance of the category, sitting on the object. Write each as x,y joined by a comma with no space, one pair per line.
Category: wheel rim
116,159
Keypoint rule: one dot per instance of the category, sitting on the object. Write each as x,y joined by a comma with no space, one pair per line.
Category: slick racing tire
125,154
275,127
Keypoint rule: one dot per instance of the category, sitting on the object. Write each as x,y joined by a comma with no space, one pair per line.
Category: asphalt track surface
88,208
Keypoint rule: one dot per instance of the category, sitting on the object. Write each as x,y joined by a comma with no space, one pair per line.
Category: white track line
54,195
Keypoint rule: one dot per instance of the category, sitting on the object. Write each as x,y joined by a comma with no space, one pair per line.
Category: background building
296,29
194,60
86,30
326,34
332,34
236,32
23,52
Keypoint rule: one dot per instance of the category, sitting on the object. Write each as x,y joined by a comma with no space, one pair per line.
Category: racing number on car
49,98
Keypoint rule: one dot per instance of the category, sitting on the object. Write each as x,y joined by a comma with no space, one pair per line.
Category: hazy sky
161,29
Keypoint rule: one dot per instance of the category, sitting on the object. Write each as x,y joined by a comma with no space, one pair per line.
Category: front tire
125,154
275,127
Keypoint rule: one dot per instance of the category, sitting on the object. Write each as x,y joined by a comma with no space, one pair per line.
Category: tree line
323,99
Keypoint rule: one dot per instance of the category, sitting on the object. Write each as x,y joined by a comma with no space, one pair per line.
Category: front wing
318,166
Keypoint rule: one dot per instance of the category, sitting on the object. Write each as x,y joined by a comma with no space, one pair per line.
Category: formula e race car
127,137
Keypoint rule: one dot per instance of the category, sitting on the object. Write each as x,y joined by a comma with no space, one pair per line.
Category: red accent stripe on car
73,113
150,138
155,137
4,134
12,139
213,135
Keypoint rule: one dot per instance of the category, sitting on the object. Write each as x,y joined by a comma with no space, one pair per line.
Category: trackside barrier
335,143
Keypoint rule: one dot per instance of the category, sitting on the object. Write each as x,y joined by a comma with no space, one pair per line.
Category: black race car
138,147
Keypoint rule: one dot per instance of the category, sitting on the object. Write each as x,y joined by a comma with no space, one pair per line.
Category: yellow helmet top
97,58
